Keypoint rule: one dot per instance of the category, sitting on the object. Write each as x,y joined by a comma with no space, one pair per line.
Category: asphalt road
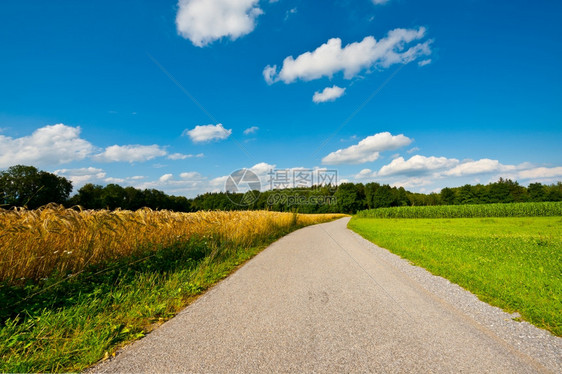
324,300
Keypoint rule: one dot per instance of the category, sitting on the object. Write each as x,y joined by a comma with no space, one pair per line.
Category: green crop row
538,209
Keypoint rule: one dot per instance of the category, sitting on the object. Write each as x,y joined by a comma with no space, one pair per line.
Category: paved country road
324,300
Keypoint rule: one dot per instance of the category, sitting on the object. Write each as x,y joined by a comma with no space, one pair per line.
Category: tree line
26,186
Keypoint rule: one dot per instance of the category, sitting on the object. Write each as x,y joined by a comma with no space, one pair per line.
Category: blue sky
177,95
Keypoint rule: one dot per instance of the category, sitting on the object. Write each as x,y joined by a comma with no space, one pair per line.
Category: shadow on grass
64,290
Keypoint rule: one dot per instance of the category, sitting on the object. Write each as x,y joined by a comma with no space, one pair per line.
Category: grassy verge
66,323
514,263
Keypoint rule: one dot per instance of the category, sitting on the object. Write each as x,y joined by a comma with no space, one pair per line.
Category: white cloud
441,168
251,130
130,153
541,173
114,180
178,156
269,74
412,183
207,133
482,166
367,150
331,58
181,156
49,145
416,165
365,173
412,150
82,176
328,94
379,2
218,184
190,175
189,184
262,168
166,177
192,183
424,62
204,21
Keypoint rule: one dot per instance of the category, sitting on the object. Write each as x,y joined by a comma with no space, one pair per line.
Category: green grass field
529,209
513,262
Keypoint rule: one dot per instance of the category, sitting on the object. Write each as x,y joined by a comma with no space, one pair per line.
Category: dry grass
35,243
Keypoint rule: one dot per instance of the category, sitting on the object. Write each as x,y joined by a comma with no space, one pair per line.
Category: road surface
325,300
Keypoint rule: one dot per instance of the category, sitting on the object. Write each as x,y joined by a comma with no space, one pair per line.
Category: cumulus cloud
81,176
190,175
365,173
417,165
262,168
114,180
482,166
178,156
192,183
251,130
181,156
541,173
367,150
218,184
412,183
188,184
331,58
440,168
49,145
208,133
166,177
418,172
204,21
130,153
328,94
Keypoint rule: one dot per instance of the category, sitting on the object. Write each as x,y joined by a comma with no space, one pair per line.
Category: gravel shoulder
323,299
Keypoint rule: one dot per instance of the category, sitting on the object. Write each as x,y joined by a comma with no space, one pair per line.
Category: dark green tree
370,190
114,196
22,185
536,192
448,196
384,197
467,195
346,198
401,197
554,192
89,196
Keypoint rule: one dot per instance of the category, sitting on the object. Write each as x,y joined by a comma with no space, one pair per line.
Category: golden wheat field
34,243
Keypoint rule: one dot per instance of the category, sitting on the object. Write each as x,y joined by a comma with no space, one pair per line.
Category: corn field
540,209
36,243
